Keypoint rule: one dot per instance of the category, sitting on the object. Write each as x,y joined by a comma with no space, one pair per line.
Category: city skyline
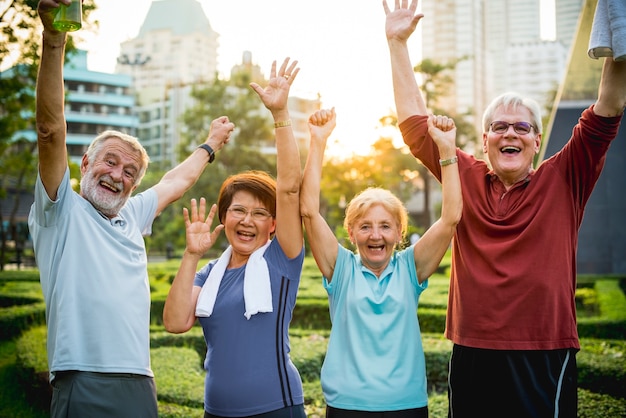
341,49
345,60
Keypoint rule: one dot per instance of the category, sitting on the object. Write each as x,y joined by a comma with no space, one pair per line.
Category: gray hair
513,100
97,144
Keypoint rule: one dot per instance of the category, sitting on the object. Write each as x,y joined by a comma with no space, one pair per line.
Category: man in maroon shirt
511,310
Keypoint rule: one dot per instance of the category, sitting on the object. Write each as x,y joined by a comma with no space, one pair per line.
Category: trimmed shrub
32,365
611,323
17,318
593,405
178,376
602,366
307,354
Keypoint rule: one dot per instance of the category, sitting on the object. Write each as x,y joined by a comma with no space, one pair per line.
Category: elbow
48,132
306,209
452,216
174,328
175,324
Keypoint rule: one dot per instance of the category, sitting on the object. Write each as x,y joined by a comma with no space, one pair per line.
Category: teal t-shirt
375,360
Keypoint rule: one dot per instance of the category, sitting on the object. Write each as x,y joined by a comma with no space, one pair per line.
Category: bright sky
340,45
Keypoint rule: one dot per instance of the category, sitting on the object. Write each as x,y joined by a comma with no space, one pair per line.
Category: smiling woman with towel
244,300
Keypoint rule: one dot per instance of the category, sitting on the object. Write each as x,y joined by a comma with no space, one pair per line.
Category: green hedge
177,359
178,375
17,318
32,370
611,323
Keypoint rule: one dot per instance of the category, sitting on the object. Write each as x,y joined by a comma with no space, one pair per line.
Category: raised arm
399,26
179,312
50,93
179,179
322,241
612,91
430,249
288,170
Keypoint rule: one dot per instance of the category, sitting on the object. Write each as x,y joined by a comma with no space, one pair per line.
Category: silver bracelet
449,161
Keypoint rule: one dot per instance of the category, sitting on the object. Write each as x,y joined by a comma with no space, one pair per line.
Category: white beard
107,203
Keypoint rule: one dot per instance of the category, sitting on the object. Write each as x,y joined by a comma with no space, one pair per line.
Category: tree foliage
253,133
20,41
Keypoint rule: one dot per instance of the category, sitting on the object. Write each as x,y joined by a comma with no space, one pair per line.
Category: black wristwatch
208,149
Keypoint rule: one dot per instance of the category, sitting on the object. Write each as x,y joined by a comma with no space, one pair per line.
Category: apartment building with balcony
95,102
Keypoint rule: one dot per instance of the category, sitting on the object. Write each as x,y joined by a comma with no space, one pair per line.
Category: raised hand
402,21
322,123
198,228
219,132
443,131
47,9
274,96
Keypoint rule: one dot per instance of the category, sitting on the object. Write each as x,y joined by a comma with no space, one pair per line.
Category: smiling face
511,153
110,177
375,235
246,234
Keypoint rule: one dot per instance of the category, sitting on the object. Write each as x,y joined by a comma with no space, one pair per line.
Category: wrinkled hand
198,228
443,131
401,23
275,95
47,10
219,132
322,123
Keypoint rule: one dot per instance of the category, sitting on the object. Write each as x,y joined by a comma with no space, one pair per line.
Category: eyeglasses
239,212
500,127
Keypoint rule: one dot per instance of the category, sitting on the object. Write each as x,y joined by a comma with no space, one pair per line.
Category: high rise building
95,102
452,31
175,49
499,47
175,45
567,15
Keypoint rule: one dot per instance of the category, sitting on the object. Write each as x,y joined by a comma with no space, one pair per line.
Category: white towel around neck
257,291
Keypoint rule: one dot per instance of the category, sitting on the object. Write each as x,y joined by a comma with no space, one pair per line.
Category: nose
117,172
376,233
247,218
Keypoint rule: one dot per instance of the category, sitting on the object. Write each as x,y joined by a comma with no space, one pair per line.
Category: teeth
510,149
108,186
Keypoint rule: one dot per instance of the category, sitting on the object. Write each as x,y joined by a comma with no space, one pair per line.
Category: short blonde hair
373,196
97,144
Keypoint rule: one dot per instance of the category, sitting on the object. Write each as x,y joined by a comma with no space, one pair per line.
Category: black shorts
94,395
296,411
512,383
406,413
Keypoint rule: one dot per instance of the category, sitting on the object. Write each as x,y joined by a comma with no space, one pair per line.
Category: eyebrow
116,157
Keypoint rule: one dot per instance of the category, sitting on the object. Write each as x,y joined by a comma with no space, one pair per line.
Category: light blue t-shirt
93,273
375,360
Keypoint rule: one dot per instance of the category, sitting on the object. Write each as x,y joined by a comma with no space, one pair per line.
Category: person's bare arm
288,170
431,248
612,91
399,26
179,312
50,102
323,243
179,179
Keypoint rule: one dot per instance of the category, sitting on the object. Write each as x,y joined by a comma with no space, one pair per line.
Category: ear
485,142
83,164
351,235
538,143
273,228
